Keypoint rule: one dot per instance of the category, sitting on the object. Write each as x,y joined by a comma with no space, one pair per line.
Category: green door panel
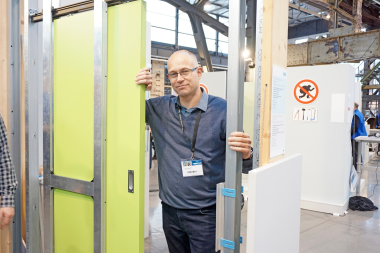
74,96
73,222
125,127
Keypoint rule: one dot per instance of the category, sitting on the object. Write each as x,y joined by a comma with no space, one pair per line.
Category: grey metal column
15,85
235,91
336,5
48,126
100,123
251,28
176,28
200,40
258,67
30,51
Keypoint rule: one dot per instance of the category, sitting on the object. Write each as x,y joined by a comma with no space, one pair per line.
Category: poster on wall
305,114
277,138
306,91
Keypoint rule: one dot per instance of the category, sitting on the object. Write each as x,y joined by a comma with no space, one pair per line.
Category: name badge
192,168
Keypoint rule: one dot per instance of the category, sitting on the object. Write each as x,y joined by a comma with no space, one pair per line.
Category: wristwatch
250,156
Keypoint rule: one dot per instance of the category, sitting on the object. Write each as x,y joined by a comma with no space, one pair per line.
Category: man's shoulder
160,100
217,102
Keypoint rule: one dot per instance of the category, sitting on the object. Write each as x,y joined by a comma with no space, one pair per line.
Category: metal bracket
228,192
32,12
227,244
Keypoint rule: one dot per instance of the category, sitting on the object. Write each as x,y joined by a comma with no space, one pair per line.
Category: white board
215,82
274,207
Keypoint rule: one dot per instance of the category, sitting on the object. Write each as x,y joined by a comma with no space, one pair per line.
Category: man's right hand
144,77
6,215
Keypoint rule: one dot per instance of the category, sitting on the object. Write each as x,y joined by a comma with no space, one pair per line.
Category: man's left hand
240,142
6,215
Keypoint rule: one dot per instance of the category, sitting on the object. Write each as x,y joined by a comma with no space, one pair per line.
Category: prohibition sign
306,91
204,87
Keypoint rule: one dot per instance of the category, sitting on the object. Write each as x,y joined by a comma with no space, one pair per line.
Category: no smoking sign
306,91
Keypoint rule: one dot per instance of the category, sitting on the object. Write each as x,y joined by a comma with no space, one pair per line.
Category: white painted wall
325,145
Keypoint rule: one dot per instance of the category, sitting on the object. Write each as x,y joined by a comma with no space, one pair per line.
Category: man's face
184,85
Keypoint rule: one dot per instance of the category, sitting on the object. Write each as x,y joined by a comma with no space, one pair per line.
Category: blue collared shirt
171,147
202,104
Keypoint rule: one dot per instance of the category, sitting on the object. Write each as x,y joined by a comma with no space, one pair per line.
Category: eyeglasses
183,73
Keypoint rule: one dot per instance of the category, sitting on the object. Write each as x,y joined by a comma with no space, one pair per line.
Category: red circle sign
204,87
306,91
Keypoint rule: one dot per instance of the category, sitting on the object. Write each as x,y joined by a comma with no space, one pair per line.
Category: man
357,129
190,161
8,183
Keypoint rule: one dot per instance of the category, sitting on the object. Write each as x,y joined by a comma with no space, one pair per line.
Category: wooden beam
275,37
370,87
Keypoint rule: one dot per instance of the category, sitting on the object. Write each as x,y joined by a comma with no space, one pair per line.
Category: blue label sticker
197,162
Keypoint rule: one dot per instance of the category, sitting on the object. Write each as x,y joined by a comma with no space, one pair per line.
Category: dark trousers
189,230
355,148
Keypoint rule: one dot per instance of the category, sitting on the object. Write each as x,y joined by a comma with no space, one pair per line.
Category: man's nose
180,78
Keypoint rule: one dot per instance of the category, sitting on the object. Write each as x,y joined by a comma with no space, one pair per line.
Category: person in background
377,120
8,182
357,129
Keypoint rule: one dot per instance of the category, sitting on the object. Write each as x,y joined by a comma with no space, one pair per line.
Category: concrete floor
356,232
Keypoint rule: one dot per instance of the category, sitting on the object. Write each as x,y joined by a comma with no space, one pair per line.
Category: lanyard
195,130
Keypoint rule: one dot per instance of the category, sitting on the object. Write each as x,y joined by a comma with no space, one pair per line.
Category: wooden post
5,235
275,43
5,62
357,13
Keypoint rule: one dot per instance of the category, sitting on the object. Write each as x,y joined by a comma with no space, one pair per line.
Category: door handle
131,181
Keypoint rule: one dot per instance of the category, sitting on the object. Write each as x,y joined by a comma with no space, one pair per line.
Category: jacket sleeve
247,163
8,182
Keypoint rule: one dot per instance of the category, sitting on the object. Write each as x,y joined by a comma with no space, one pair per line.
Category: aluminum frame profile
15,137
95,189
48,123
75,8
100,124
31,70
235,91
258,68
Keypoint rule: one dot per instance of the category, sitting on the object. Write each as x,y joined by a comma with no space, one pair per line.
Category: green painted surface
74,96
73,222
125,127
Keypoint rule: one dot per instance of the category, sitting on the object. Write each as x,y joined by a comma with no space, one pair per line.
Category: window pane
223,38
209,32
223,47
186,40
161,20
162,35
161,14
184,25
210,45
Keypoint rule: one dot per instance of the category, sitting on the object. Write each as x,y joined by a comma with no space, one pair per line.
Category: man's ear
199,72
